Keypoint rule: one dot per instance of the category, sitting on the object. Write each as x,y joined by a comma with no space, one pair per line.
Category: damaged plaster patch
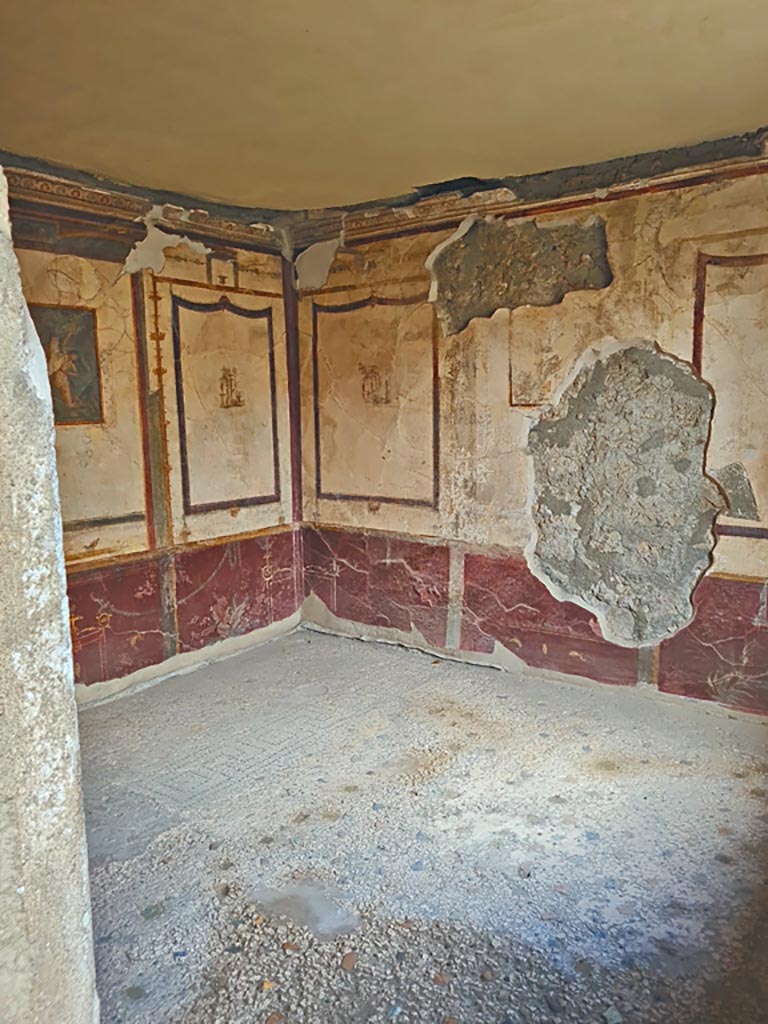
737,488
490,264
314,264
149,253
622,509
281,233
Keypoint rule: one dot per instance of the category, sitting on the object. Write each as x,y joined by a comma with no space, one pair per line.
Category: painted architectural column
46,950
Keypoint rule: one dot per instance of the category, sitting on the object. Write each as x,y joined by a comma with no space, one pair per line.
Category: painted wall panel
376,404
224,362
391,582
504,603
116,619
84,314
231,588
733,357
224,391
723,654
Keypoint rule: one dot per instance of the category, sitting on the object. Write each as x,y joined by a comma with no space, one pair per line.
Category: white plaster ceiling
293,103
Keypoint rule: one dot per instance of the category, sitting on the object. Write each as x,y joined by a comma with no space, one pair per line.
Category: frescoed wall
220,340
172,434
228,450
83,312
689,267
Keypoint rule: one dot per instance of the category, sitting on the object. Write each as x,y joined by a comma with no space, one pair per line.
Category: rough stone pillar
46,950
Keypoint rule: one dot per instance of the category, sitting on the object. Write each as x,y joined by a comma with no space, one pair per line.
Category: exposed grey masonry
623,509
489,264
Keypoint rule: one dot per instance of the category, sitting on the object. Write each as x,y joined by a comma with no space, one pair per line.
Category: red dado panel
504,602
285,589
380,580
120,622
723,654
116,620
232,588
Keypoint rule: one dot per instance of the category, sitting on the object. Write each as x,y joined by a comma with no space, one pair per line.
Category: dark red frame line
293,368
142,369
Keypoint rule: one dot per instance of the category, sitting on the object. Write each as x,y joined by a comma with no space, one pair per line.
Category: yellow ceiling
302,103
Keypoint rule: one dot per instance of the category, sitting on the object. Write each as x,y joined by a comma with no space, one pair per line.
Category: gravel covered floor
322,830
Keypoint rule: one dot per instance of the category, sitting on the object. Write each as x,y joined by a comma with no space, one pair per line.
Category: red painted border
137,302
293,365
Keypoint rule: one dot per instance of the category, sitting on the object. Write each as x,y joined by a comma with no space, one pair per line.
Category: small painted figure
229,395
68,336
374,388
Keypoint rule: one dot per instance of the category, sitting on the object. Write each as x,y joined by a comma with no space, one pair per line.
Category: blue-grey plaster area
737,487
489,846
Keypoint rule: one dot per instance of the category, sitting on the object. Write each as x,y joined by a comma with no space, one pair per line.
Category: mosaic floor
327,830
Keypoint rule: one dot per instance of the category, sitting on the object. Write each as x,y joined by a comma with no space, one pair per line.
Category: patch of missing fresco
622,508
149,252
490,264
313,265
735,484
